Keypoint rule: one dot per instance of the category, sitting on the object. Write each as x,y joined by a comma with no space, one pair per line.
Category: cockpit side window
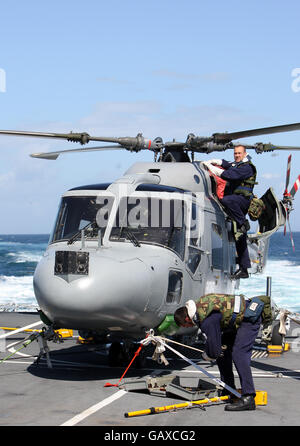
77,212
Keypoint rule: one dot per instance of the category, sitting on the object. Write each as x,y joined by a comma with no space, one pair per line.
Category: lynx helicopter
124,255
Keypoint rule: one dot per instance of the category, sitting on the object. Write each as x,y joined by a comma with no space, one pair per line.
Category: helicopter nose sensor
71,262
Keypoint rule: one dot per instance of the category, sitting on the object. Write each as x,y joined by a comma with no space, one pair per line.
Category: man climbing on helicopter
240,176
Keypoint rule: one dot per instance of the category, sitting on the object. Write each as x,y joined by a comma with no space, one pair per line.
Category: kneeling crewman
231,324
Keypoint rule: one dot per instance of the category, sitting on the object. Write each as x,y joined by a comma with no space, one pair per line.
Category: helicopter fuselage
124,255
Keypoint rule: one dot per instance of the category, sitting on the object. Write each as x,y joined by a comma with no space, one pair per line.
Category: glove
217,161
215,170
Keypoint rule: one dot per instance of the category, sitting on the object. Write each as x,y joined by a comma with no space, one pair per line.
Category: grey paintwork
126,288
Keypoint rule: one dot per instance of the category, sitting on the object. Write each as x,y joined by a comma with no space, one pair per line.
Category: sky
163,68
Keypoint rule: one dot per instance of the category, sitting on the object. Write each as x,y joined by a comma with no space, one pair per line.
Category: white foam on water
285,288
17,292
24,256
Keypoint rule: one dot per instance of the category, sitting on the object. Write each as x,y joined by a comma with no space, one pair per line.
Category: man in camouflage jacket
230,324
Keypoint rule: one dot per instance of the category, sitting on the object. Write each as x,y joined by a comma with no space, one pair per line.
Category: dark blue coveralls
239,345
237,205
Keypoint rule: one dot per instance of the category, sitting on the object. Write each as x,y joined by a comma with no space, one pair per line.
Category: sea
19,255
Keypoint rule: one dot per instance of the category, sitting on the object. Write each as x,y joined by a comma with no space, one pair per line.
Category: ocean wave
18,307
17,244
16,289
24,257
285,284
6,243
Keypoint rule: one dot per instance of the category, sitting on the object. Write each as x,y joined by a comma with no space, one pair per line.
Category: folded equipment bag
254,310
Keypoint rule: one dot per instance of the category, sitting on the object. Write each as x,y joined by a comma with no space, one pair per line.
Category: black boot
246,402
231,398
240,274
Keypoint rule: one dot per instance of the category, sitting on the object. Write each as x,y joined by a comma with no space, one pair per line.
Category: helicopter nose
112,296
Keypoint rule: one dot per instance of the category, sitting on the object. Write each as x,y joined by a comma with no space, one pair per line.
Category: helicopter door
272,218
217,257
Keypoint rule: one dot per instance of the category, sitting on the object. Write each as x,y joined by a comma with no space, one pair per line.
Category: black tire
277,338
116,355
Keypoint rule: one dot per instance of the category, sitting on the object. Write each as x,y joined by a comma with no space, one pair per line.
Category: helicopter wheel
277,338
117,355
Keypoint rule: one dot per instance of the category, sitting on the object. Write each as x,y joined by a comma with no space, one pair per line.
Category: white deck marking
11,349
91,410
20,329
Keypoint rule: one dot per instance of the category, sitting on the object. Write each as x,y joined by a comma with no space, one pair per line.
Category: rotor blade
135,143
83,138
261,148
288,171
227,137
55,155
201,145
291,235
295,187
